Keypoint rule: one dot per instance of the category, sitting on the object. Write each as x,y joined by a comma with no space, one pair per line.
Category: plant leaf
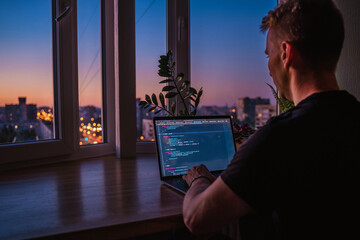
158,111
154,99
284,104
168,88
142,103
197,101
171,94
146,106
148,99
183,87
192,91
166,81
162,100
193,113
179,77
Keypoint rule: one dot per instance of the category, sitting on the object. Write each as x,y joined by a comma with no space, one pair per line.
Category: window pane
228,60
26,71
150,27
90,73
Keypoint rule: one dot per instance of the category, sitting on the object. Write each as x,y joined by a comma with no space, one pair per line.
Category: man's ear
287,54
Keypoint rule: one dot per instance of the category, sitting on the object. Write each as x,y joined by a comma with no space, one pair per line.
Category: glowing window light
88,132
94,124
142,138
80,143
82,124
81,119
92,119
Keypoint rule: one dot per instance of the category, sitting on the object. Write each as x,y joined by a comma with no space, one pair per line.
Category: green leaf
162,100
162,73
146,106
168,88
148,99
284,104
187,82
173,107
171,94
192,91
156,112
154,99
166,81
142,103
197,101
179,77
183,87
200,93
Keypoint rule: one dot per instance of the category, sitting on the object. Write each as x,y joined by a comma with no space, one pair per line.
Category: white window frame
65,64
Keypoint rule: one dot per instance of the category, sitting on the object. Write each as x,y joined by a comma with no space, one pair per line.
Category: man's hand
197,171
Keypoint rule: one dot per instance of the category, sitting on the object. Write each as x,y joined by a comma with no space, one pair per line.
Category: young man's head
313,30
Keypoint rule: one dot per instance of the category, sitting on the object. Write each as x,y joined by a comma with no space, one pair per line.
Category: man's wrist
199,177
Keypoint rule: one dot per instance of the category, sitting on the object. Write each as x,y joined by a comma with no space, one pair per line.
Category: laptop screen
187,142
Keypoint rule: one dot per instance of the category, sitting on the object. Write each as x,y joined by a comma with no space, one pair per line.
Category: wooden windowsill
104,197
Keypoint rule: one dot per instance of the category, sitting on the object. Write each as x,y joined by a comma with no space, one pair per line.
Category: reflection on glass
150,27
90,75
228,60
26,71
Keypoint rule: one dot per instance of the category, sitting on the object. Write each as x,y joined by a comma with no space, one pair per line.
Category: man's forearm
193,206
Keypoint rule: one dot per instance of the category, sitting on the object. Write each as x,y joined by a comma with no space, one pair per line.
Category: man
300,172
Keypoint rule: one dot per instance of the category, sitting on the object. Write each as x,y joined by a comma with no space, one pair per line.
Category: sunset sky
227,50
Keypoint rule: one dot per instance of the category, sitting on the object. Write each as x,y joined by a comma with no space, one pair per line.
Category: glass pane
228,60
150,27
90,73
26,71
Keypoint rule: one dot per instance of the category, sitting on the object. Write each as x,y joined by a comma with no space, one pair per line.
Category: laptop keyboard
182,184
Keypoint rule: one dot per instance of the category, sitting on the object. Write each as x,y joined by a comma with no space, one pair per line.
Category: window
90,72
49,78
26,72
227,50
150,27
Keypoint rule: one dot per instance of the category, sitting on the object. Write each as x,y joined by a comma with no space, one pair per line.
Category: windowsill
100,197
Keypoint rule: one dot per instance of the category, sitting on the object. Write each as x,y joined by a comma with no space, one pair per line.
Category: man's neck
302,85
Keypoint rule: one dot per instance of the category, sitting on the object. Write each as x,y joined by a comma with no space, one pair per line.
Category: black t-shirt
301,170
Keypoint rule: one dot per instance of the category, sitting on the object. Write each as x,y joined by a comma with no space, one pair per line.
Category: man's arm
207,207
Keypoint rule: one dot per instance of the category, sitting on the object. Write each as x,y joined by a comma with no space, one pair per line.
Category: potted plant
176,86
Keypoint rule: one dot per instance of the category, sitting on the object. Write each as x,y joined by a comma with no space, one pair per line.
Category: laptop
185,142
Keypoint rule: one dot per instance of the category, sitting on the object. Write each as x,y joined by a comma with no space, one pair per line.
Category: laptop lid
184,142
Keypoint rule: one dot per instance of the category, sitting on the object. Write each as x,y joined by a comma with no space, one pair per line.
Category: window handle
181,26
63,14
